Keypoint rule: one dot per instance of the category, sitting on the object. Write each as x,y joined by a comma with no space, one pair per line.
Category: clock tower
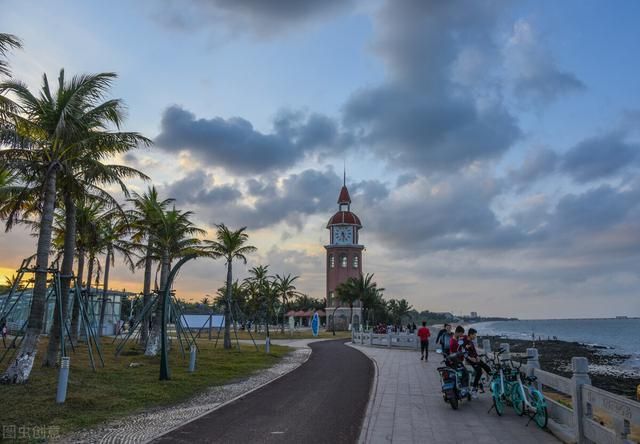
344,260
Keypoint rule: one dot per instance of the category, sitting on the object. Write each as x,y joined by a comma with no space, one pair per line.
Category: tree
230,245
113,231
144,217
7,42
286,290
174,237
355,289
398,309
67,132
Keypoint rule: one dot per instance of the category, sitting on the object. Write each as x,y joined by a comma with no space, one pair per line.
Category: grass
275,334
118,389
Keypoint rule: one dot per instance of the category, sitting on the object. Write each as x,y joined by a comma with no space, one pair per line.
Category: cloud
537,163
420,117
255,17
236,145
600,157
198,188
534,74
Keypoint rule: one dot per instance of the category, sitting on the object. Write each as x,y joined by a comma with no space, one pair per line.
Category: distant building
21,303
474,314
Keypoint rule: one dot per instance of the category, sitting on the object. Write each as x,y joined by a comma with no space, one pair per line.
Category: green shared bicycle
503,380
526,398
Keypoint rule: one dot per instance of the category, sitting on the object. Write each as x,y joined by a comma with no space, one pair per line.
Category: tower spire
344,174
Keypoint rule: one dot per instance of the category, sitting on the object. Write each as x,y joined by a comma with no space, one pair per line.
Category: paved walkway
407,407
324,400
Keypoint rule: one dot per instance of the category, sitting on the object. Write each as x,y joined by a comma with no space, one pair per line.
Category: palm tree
88,214
7,42
355,289
112,230
259,284
229,245
398,309
286,290
145,215
173,238
67,132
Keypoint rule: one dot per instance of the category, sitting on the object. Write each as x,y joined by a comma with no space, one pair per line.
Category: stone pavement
407,407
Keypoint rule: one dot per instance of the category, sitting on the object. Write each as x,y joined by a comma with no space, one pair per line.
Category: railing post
361,337
580,367
507,350
486,346
388,339
353,336
532,363
371,337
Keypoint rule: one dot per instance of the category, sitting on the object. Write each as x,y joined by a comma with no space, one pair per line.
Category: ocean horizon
615,334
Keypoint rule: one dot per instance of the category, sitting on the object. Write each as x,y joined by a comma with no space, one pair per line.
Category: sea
617,335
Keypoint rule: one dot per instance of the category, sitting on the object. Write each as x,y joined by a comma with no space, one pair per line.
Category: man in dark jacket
443,338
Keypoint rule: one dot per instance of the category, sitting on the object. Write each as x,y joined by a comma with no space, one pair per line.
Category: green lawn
118,389
275,334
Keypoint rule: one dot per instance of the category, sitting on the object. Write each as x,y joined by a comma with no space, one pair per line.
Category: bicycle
502,382
526,398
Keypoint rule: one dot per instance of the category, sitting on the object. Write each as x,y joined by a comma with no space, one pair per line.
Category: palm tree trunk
66,271
146,291
153,344
20,368
227,308
284,306
351,315
103,306
75,312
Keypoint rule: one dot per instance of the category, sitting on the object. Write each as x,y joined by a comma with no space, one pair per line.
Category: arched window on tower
343,260
356,261
332,261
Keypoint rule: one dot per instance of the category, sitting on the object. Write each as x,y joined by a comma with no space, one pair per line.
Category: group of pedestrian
452,342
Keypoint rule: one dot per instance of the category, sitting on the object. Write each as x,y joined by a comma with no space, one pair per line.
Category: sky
491,147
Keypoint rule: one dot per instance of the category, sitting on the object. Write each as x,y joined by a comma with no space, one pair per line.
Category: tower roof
344,218
344,198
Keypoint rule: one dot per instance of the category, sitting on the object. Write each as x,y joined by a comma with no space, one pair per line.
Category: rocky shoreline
605,368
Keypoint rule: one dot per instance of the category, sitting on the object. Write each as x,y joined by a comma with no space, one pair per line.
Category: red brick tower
344,260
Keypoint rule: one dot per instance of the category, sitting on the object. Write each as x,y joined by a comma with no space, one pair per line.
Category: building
19,304
344,260
474,314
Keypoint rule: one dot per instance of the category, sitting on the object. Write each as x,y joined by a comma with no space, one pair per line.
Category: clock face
343,235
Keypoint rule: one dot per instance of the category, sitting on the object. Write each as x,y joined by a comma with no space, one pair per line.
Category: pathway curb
364,430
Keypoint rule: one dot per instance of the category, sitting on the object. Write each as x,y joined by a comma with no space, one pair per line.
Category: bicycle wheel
517,400
542,416
498,404
454,402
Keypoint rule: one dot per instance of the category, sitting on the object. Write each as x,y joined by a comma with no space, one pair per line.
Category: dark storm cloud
234,143
419,118
600,157
258,17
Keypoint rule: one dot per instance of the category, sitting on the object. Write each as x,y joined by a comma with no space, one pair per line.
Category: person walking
444,338
424,334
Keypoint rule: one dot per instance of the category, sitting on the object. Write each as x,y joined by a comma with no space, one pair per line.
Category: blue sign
315,324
